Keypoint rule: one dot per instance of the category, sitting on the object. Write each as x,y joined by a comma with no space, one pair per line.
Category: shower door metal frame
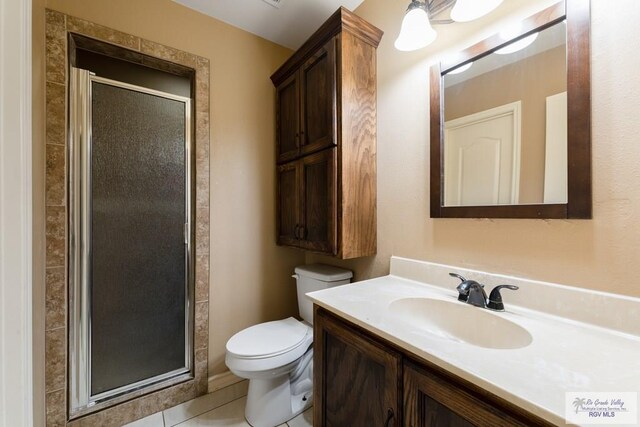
81,401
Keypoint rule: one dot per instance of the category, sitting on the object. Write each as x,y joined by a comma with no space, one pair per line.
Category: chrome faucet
464,288
473,293
477,295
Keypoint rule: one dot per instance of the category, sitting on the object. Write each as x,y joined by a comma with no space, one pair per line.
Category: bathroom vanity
361,376
401,350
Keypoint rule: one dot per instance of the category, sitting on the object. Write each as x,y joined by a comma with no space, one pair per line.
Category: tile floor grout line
206,412
225,387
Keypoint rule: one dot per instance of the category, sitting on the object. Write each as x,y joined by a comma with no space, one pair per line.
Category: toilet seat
268,346
268,339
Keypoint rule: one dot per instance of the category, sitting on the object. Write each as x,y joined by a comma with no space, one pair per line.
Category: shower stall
130,241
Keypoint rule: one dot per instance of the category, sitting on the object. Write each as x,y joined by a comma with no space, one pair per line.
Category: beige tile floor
223,408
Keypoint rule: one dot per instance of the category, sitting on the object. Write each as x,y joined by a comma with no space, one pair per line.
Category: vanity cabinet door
288,118
318,202
431,400
356,380
318,99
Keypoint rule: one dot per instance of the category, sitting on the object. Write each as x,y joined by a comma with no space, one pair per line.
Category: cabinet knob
300,232
390,417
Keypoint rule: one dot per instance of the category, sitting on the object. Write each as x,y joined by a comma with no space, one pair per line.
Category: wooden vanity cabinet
361,380
356,380
326,140
432,399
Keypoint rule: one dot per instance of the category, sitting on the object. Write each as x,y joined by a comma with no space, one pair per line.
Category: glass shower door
131,294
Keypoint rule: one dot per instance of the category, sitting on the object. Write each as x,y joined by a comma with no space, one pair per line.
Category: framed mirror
511,122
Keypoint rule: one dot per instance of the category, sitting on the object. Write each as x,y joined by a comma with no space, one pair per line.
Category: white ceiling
288,26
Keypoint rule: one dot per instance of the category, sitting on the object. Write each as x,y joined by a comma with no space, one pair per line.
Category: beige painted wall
598,254
250,276
531,81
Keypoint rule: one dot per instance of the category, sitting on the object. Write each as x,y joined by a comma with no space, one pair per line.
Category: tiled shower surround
58,26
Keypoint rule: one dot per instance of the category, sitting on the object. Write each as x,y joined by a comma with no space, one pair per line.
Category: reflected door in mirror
482,158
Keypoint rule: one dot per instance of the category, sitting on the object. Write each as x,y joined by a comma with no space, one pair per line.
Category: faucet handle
495,298
464,287
462,279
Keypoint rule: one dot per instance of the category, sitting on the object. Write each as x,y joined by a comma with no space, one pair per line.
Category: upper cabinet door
318,208
318,99
288,119
288,203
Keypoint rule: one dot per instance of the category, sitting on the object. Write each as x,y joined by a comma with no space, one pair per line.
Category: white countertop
564,356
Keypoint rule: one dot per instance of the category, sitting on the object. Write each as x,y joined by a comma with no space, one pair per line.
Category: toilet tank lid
326,273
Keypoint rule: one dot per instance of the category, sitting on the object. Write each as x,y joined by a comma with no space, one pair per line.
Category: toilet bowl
277,357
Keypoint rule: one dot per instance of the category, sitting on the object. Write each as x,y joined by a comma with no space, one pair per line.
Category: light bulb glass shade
519,45
462,69
511,31
416,31
468,10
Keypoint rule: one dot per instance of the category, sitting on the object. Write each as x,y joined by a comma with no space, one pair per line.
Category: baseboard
216,382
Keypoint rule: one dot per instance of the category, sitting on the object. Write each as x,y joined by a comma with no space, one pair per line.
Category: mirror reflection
505,124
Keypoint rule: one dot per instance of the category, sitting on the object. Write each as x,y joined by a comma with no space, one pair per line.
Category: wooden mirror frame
579,206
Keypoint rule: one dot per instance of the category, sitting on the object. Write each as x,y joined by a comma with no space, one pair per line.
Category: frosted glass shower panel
131,266
137,219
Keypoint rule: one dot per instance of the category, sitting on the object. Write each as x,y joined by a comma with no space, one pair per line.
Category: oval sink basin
461,322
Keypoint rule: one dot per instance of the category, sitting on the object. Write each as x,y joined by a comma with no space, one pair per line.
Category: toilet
277,357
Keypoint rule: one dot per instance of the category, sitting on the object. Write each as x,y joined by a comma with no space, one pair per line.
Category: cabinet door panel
318,100
435,414
356,380
288,119
319,201
432,401
288,216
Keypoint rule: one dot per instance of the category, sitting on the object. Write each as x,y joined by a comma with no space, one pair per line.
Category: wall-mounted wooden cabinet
307,202
326,140
361,380
307,106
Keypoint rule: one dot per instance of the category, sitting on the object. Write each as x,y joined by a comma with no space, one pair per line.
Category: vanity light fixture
470,10
519,45
416,31
512,32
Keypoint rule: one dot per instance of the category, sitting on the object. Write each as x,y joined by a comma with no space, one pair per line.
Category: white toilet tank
316,277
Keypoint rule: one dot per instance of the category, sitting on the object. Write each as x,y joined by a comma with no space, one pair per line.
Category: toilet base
270,403
273,401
